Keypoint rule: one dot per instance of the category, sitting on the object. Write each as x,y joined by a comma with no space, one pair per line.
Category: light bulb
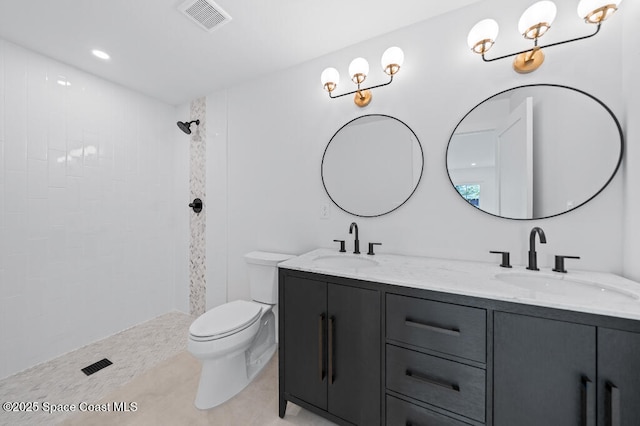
483,35
100,54
537,19
392,60
595,11
358,70
330,78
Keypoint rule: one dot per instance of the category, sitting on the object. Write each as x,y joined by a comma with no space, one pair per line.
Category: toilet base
222,379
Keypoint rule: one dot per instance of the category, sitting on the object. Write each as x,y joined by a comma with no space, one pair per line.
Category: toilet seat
225,320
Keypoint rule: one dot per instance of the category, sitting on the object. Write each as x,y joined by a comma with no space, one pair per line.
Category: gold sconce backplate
362,98
530,61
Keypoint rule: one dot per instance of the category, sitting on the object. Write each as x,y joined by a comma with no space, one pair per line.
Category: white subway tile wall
87,208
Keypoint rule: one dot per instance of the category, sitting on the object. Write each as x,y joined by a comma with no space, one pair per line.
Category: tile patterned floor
165,395
61,381
152,368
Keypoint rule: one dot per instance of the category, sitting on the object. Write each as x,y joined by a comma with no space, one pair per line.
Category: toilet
235,341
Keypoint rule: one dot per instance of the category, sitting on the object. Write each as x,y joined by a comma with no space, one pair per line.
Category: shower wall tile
15,110
37,105
1,155
1,215
1,104
15,195
37,259
57,168
37,219
87,204
75,158
37,179
56,115
197,183
15,274
14,241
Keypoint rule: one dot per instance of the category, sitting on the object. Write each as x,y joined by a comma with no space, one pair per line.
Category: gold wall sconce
391,61
533,24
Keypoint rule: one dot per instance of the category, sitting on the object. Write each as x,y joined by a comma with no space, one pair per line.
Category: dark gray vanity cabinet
435,357
618,378
330,349
366,353
555,372
544,372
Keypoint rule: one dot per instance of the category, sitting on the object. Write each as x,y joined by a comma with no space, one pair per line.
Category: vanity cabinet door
618,378
354,361
331,349
305,340
544,372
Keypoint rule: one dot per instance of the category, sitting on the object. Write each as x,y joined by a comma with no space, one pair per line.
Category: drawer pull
430,380
614,408
448,331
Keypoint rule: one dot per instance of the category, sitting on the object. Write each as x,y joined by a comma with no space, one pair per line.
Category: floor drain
97,366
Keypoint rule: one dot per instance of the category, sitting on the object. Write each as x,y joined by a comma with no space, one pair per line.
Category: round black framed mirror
534,151
372,165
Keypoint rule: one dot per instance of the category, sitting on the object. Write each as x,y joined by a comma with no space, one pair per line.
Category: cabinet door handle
614,407
432,381
331,349
587,402
321,346
448,331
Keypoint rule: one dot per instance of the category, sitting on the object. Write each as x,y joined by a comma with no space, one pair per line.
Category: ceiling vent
208,15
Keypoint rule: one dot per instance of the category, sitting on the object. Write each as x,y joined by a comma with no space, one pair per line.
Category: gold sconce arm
484,58
391,61
533,24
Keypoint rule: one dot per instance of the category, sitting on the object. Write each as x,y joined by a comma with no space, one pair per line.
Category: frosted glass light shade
542,12
358,70
594,11
483,35
330,78
392,60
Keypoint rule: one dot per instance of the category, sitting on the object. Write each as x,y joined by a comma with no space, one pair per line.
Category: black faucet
533,257
356,242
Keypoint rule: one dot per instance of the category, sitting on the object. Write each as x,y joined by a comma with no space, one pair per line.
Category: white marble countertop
582,291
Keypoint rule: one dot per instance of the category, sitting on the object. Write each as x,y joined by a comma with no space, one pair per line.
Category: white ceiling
158,51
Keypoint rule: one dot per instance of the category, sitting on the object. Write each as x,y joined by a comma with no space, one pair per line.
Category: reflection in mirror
372,165
534,151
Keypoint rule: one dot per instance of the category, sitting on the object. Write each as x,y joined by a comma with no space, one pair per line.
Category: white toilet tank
263,275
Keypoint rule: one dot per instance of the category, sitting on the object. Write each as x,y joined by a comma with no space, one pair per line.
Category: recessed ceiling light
100,54
473,164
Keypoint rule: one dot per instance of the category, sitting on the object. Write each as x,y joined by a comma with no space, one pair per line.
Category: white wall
182,211
87,211
279,125
631,95
216,202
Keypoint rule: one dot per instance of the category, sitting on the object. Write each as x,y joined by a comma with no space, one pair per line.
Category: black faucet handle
370,252
505,258
342,246
560,263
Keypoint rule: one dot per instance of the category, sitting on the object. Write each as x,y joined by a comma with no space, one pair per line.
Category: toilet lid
225,319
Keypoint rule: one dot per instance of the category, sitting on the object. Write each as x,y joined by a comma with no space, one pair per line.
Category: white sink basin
344,261
561,285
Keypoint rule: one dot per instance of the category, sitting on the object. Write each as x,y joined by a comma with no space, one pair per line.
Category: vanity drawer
443,327
447,384
403,413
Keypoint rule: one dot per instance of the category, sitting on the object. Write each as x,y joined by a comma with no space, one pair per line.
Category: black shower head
186,126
